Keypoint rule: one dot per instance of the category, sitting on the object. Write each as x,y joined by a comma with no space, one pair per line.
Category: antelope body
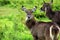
40,30
53,15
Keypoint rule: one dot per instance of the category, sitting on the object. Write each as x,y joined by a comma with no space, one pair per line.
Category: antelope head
29,12
46,6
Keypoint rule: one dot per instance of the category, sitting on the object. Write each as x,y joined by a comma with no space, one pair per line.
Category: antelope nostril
28,17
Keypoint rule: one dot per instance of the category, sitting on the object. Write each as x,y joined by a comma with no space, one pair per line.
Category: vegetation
12,18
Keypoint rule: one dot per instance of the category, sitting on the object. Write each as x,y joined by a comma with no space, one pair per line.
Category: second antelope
53,15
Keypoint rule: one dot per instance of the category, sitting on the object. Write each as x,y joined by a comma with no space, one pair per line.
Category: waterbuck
53,15
40,30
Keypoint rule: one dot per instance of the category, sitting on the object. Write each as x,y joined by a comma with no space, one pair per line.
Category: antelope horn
43,1
51,1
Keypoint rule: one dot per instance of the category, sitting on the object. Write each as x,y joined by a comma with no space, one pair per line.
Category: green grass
11,27
12,18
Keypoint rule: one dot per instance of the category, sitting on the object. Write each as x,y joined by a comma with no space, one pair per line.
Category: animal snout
28,17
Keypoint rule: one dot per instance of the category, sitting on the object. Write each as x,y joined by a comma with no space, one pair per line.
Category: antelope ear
43,1
34,9
51,1
23,8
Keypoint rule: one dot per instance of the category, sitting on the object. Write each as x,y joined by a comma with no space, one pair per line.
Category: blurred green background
12,18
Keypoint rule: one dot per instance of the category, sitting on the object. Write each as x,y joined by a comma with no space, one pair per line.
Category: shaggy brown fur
53,15
39,30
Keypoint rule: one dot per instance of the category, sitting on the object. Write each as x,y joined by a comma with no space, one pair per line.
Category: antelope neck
49,13
30,23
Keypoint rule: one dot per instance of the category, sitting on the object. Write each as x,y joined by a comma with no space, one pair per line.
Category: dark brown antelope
53,15
40,30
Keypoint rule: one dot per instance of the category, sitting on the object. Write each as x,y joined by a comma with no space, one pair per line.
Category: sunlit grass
12,19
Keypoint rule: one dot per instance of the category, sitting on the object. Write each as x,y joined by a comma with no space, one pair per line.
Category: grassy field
12,18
